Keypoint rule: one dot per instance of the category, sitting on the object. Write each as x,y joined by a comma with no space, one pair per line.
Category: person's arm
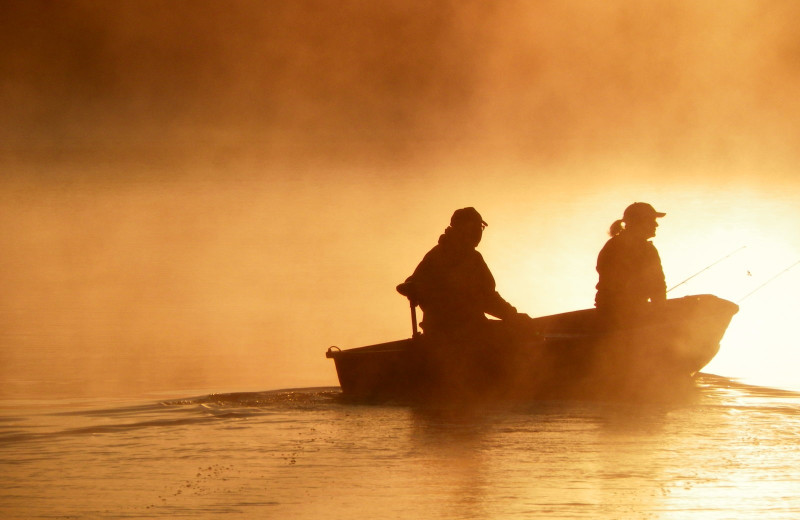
494,304
499,308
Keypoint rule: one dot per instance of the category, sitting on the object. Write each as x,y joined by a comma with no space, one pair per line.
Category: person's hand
520,317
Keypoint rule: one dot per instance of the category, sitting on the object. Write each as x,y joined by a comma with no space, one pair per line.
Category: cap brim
660,214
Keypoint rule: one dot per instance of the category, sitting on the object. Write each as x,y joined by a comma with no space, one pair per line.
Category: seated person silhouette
631,280
454,286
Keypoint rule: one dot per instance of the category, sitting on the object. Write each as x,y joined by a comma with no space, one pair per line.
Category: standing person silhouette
454,286
631,280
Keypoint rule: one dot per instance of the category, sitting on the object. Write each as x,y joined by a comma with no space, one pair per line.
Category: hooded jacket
455,288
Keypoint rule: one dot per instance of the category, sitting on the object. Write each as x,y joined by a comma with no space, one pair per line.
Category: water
728,451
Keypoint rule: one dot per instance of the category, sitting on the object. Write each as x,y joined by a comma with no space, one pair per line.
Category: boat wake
171,413
228,409
297,396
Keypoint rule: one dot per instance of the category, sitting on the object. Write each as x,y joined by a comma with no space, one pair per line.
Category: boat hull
563,355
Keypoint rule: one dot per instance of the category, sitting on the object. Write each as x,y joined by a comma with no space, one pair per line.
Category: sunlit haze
207,195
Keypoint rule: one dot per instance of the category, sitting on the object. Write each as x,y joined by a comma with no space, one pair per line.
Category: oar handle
408,290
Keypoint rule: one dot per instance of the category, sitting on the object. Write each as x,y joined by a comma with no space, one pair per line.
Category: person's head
467,225
639,219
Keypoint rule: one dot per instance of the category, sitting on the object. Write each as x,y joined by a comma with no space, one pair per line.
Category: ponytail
616,228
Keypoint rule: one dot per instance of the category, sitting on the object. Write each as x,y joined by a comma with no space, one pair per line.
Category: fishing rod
707,267
768,282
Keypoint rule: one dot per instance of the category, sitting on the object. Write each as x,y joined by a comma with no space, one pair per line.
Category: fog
208,195
666,81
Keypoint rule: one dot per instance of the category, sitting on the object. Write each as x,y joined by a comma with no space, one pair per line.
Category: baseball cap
466,216
640,211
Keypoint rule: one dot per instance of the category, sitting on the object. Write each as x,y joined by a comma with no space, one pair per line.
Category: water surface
729,451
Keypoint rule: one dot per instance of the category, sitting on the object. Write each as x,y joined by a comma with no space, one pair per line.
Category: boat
566,355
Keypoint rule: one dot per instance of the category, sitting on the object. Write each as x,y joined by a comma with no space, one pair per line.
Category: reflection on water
732,451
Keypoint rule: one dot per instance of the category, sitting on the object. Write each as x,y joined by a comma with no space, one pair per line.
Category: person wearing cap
453,285
631,280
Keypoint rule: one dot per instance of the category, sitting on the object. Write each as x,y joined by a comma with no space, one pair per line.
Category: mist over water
683,83
198,198
197,194
125,288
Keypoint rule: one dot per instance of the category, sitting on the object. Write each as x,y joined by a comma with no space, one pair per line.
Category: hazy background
206,195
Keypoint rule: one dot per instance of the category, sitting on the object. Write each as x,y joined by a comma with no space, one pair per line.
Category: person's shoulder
612,243
437,250
432,253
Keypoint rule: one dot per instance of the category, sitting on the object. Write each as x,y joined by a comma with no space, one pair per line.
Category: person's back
630,272
629,267
453,284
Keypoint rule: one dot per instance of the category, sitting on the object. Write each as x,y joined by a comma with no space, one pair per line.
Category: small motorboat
568,355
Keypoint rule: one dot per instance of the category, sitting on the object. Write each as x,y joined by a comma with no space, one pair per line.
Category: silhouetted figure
631,280
453,284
